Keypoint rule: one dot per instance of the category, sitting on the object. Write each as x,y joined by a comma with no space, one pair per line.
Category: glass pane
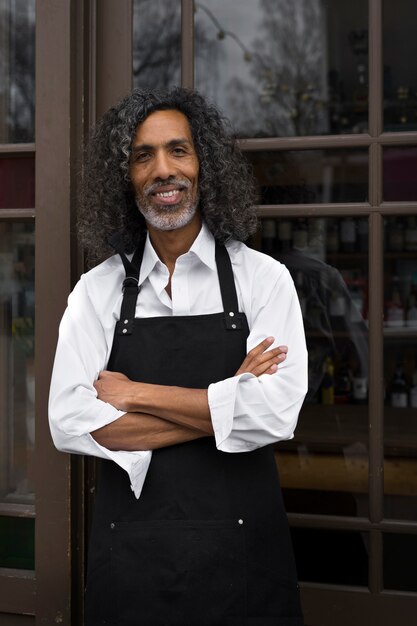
17,71
156,43
17,402
17,542
324,469
400,558
284,68
17,182
400,181
300,176
400,82
332,557
400,367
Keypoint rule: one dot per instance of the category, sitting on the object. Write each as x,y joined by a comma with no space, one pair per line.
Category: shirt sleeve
74,409
249,412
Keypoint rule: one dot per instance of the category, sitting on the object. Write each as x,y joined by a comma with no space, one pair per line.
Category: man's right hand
260,360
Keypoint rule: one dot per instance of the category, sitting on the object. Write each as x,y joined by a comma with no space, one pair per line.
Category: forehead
163,126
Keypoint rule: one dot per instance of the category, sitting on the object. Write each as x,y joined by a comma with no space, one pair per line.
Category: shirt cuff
222,399
136,464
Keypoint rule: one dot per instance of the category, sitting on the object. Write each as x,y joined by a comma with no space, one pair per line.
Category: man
153,374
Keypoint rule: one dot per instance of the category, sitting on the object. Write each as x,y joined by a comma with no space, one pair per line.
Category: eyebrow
169,144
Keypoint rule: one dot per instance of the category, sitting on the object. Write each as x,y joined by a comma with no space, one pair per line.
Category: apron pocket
179,573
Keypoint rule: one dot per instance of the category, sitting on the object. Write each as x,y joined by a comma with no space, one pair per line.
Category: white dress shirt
247,412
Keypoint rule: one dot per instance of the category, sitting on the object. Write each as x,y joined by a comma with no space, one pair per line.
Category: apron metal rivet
240,522
126,322
231,314
233,325
112,525
124,331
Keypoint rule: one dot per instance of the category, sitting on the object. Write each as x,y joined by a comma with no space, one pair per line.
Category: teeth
167,194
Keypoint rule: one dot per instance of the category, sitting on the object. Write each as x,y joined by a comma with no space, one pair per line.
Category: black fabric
207,543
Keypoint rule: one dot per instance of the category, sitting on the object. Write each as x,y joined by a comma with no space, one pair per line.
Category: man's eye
141,156
179,151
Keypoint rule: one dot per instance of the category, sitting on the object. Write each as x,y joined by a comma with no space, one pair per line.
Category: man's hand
260,360
116,389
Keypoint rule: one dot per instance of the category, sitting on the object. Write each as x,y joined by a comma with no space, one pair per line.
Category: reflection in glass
17,71
312,176
400,366
332,557
324,469
156,43
17,383
284,68
17,542
400,558
17,182
400,181
400,83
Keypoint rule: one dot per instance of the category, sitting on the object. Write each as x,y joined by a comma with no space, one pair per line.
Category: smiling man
181,360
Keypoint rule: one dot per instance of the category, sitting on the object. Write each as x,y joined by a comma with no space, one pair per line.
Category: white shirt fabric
247,412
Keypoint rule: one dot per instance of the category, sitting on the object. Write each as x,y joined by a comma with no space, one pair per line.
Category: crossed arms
158,415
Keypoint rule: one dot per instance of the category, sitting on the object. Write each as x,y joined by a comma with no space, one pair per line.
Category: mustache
172,180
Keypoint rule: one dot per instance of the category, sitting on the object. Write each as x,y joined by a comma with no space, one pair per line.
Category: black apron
207,543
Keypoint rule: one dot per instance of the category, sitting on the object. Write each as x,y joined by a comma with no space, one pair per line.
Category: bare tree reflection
288,69
17,71
157,45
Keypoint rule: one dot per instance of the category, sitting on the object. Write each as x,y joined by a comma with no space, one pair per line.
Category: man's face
164,170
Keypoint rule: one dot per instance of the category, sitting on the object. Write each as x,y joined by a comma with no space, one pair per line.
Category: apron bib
207,543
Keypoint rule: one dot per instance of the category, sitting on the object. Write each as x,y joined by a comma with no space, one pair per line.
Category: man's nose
163,166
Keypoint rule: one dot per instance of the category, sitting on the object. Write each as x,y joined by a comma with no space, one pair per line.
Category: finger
260,360
261,347
273,363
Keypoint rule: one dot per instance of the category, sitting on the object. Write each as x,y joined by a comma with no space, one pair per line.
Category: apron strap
130,284
232,317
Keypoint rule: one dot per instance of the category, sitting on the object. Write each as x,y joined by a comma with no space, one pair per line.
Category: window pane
400,47
400,366
400,181
17,542
283,68
156,43
400,558
17,182
17,71
17,402
332,557
297,177
324,469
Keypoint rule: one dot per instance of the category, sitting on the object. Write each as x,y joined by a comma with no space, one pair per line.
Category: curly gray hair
107,201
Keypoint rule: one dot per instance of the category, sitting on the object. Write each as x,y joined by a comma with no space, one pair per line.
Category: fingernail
283,348
282,356
270,339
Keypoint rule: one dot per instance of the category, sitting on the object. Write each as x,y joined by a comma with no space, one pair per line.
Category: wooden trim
17,510
17,214
52,285
16,149
113,70
314,142
326,605
187,43
17,591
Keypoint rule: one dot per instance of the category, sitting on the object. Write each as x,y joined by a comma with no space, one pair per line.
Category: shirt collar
203,248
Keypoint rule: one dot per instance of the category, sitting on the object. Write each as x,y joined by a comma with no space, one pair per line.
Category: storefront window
324,469
17,71
311,176
17,182
400,366
156,43
283,68
17,382
400,49
400,166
